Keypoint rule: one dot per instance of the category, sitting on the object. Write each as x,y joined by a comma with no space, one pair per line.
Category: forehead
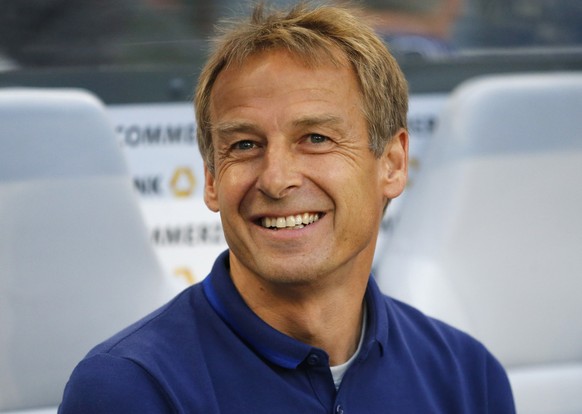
280,76
312,57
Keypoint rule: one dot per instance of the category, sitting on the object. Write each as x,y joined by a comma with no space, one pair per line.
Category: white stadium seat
76,264
490,235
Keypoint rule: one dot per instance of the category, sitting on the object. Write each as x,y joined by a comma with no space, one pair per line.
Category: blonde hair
310,32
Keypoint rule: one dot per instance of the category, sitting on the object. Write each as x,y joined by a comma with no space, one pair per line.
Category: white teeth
281,222
297,221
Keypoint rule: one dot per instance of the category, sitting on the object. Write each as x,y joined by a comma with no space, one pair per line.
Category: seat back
76,264
490,235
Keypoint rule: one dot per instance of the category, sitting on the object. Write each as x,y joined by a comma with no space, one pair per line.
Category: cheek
362,191
233,186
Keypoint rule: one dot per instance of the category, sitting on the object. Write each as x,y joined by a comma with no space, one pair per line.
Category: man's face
291,142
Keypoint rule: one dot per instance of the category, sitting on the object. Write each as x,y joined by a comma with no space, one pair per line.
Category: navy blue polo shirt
207,352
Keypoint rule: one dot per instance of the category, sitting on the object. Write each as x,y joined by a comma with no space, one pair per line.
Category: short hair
310,32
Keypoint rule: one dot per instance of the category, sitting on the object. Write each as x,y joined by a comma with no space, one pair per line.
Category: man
302,127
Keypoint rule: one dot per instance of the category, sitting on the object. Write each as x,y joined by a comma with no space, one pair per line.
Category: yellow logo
185,274
183,182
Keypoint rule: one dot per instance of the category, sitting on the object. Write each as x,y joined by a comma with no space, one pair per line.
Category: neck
326,317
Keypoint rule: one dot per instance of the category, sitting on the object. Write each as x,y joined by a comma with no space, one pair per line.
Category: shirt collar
273,345
377,331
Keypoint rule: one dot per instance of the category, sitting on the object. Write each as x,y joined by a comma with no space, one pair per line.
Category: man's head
315,35
301,119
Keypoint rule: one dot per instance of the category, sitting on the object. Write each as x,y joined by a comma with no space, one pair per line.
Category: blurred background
68,33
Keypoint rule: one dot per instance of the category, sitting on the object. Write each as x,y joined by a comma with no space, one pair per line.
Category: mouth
293,222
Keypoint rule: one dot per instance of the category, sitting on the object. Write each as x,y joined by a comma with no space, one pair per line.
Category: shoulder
415,325
167,324
447,352
102,383
127,373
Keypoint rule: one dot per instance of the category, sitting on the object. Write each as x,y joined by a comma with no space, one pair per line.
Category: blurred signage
152,134
162,155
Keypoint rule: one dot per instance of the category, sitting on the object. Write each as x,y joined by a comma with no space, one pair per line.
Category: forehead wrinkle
317,120
233,127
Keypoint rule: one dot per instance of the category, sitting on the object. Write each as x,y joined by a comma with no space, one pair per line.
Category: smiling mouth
297,221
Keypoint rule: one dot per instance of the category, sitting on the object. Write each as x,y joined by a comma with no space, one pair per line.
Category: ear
395,164
210,194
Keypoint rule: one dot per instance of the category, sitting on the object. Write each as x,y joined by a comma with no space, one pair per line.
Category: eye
243,145
317,138
316,143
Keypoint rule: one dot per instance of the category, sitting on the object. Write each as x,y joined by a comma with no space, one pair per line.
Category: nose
279,173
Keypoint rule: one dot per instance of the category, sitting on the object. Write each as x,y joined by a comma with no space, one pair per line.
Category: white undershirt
339,371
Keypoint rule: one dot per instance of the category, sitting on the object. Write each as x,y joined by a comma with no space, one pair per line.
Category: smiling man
302,126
